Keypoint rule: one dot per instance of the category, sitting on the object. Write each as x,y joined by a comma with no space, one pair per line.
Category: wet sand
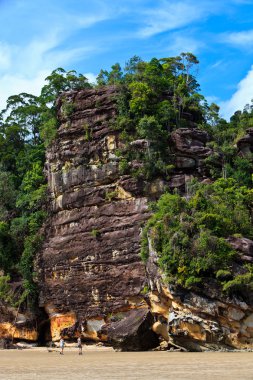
103,364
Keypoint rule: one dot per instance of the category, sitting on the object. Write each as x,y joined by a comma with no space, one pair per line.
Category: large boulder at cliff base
133,332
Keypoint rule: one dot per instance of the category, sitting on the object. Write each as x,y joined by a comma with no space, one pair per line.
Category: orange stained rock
59,322
7,330
194,330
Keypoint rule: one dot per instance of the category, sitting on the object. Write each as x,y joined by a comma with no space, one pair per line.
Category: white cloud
171,16
240,39
87,21
24,68
240,98
92,78
180,43
26,74
15,84
217,64
212,99
5,56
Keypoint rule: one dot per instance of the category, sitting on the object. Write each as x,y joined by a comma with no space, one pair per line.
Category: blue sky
38,36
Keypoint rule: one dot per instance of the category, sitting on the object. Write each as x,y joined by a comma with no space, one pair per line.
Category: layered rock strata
89,269
189,148
90,266
199,319
90,275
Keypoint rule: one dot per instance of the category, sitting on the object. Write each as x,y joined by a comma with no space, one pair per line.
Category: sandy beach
103,363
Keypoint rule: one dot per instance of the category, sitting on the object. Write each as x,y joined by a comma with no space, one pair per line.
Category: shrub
5,289
223,274
95,233
67,108
242,282
31,246
110,195
123,166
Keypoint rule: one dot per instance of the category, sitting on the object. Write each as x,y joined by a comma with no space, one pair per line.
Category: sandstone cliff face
16,325
245,144
90,275
90,266
189,148
203,318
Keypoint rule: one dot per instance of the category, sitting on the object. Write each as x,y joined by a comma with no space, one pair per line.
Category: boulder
245,144
242,245
133,332
191,142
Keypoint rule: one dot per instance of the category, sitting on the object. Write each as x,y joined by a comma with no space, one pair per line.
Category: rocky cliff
89,268
202,319
90,276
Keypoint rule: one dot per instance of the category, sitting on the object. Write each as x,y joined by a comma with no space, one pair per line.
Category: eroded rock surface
90,264
16,325
243,246
245,144
133,332
90,275
189,146
201,319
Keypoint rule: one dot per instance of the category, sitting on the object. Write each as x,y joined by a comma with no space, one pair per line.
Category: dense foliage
189,235
225,162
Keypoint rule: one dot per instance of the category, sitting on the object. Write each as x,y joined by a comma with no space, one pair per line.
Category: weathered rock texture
132,332
90,275
245,144
90,266
16,325
201,319
190,151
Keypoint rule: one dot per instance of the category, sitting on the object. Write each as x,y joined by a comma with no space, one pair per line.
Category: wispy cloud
26,73
239,39
240,98
11,84
179,42
24,65
216,64
5,56
90,20
171,15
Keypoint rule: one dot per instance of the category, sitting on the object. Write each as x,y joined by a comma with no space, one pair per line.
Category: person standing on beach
79,345
62,344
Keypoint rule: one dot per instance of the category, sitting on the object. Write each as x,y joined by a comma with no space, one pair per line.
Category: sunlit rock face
199,319
90,274
90,265
16,325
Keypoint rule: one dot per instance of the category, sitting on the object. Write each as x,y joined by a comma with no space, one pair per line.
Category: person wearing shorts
62,344
79,345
